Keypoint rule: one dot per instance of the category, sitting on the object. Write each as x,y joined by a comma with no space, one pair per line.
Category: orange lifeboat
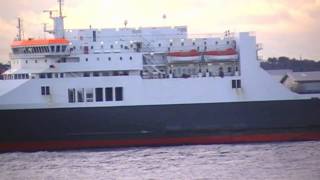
227,54
184,56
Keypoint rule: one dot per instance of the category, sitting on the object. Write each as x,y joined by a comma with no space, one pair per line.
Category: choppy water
300,160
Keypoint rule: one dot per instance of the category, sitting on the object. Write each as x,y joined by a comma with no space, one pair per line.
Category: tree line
293,64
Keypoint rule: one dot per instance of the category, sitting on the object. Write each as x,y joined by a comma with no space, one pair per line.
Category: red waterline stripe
192,140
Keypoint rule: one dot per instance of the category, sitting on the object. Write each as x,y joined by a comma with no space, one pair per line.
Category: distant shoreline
292,64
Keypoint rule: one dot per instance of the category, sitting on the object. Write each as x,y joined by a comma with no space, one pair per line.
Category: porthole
109,58
121,58
130,57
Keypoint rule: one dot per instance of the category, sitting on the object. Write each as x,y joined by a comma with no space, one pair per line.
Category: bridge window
64,48
236,84
49,75
89,95
94,36
45,90
109,94
58,49
80,95
52,49
99,94
119,93
72,95
47,49
86,74
96,74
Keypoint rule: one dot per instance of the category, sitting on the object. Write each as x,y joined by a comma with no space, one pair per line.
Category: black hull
167,124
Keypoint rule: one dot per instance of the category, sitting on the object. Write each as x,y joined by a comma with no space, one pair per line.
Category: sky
284,27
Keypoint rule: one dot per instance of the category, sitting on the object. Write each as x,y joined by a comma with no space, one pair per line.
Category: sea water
295,160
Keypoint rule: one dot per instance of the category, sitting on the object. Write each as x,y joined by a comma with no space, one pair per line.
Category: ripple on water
299,160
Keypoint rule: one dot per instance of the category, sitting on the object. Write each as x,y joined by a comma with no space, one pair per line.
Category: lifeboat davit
228,54
184,56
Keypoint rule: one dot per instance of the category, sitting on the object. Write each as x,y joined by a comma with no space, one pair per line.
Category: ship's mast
60,7
58,23
20,30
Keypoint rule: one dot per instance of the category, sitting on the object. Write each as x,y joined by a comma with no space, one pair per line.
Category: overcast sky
284,27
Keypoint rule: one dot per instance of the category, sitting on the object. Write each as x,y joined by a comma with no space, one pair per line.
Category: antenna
60,7
20,30
50,12
44,30
58,23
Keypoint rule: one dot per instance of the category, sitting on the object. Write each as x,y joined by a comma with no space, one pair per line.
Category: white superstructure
129,67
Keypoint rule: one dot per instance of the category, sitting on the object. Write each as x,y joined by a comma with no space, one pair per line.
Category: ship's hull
156,125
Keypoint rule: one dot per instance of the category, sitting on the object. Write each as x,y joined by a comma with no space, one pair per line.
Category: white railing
39,55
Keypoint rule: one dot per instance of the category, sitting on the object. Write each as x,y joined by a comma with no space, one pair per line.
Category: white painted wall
257,85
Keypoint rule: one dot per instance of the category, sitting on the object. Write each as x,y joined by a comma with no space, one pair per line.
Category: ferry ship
152,86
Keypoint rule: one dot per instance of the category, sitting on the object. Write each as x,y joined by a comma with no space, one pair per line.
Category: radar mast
58,22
